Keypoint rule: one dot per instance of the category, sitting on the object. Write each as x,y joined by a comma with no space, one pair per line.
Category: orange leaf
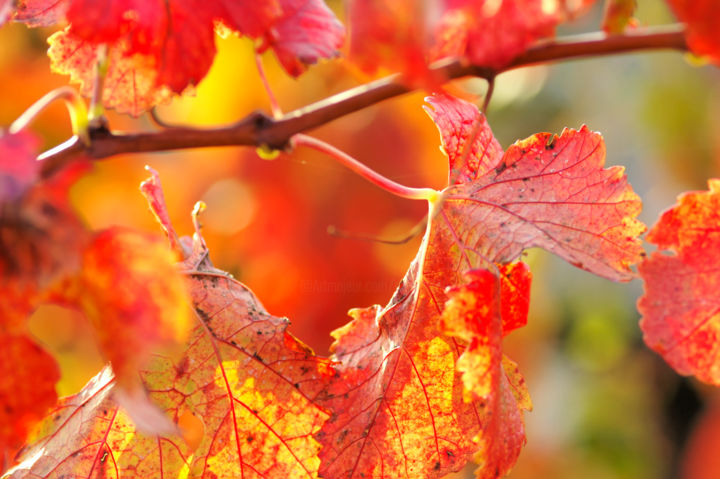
27,389
41,241
397,407
703,25
18,165
407,35
681,307
252,383
473,314
136,298
157,49
619,15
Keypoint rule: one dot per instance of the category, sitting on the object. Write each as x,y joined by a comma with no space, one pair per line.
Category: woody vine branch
259,129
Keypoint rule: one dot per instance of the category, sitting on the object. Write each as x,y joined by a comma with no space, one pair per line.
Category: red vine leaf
545,191
489,34
458,122
41,243
389,35
493,33
131,290
703,26
396,405
475,313
27,389
157,49
681,307
306,32
40,13
243,394
515,280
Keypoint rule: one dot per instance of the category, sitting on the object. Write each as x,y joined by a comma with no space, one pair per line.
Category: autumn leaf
389,34
703,26
397,407
38,236
681,306
486,33
243,394
546,191
41,242
18,163
134,295
476,313
619,15
27,389
6,8
158,49
40,13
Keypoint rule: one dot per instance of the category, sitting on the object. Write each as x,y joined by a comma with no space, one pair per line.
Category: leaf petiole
274,105
366,172
75,105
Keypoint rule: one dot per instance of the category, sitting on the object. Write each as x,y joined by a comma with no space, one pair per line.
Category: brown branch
259,129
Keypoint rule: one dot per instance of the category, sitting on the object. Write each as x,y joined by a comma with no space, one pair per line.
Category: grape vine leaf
123,281
389,34
41,240
243,395
157,49
131,290
305,32
396,407
681,306
546,191
34,256
701,18
479,313
39,13
27,388
494,33
487,33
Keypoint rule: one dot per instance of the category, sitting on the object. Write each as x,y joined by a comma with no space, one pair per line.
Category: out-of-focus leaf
18,164
681,306
703,25
40,13
486,33
131,290
243,394
159,49
6,8
618,15
306,32
41,241
27,388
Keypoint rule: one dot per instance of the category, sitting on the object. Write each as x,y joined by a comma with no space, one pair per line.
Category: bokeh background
605,406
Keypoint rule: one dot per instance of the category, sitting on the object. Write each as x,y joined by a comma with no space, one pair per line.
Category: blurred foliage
604,404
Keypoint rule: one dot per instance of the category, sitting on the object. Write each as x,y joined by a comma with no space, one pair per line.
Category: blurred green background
605,406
